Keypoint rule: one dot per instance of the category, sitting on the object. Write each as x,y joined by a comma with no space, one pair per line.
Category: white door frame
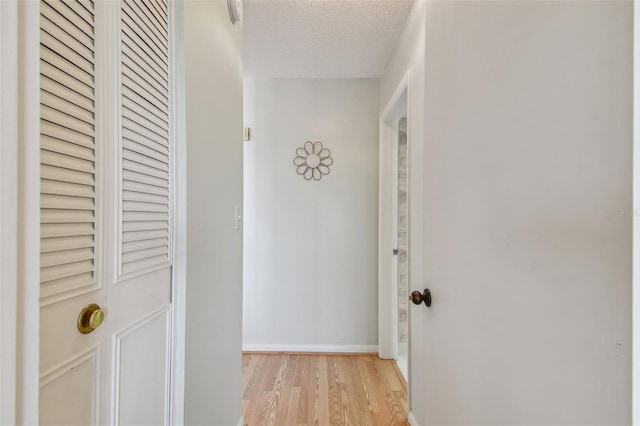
28,225
387,212
636,224
179,206
20,213
8,209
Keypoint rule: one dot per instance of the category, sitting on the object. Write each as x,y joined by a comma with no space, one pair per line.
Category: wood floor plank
322,390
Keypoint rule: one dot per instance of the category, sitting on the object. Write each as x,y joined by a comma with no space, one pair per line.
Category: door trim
387,296
635,398
179,206
28,226
8,210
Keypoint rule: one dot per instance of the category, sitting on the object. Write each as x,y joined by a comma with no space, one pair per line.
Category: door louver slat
66,106
156,11
146,170
140,81
63,230
64,188
146,217
84,9
143,149
69,22
66,270
145,37
53,244
152,29
152,163
61,91
142,119
66,175
52,66
73,13
145,110
145,194
146,235
145,198
133,132
67,113
66,216
66,43
145,225
137,45
144,102
66,162
61,146
65,257
65,120
130,176
66,135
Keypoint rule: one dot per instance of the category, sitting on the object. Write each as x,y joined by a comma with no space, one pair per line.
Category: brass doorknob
90,318
417,297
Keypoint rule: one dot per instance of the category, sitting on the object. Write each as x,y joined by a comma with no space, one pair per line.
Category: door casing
8,209
636,225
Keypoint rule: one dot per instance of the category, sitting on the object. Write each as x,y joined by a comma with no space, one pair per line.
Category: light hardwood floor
322,390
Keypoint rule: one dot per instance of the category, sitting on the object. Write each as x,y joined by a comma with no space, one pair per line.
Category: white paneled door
105,316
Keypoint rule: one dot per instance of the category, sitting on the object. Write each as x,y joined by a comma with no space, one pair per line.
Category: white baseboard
412,420
312,348
241,421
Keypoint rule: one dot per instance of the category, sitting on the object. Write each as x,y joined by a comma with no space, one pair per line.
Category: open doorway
393,244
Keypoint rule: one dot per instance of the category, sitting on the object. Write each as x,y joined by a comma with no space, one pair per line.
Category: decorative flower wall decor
313,160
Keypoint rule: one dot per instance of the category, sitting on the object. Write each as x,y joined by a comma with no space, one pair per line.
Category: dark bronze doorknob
417,297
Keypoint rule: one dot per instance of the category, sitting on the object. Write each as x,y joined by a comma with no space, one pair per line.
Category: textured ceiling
320,39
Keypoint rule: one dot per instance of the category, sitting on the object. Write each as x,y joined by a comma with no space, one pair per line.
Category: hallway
307,389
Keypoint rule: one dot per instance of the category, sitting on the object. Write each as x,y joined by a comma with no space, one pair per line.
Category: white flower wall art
312,160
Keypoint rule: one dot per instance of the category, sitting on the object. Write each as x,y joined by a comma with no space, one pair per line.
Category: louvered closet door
70,364
105,211
141,329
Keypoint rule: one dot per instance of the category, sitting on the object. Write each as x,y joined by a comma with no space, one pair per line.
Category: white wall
213,70
528,144
310,266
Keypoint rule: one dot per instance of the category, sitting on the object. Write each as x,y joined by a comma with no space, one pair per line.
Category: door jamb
387,296
179,217
635,398
8,210
28,210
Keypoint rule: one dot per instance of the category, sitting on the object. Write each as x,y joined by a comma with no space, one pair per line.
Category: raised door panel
72,392
142,358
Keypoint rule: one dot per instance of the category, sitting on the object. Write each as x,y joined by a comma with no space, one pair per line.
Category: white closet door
142,290
71,363
105,212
